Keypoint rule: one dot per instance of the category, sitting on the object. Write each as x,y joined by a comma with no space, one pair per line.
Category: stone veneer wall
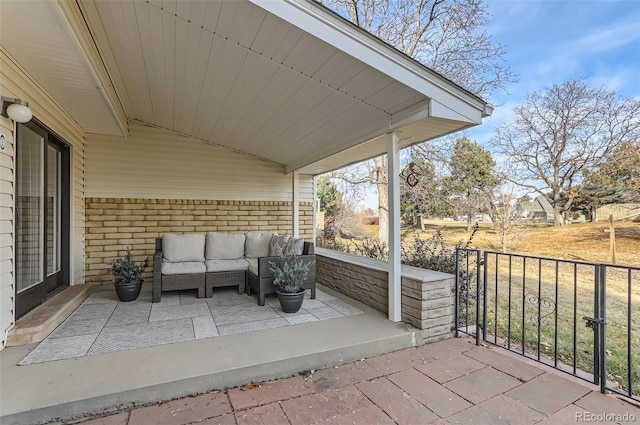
428,297
113,225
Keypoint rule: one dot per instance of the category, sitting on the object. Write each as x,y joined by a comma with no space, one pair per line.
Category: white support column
315,209
393,180
296,204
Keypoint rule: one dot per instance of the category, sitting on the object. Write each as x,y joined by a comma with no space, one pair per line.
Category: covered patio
193,116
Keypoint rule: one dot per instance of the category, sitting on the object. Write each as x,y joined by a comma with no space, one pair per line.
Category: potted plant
289,274
127,277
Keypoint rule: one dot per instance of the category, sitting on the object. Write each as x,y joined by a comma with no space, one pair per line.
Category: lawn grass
572,298
586,242
568,303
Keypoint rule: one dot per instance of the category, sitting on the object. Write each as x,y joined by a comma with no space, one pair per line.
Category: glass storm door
41,216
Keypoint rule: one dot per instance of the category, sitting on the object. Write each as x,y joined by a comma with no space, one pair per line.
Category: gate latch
592,321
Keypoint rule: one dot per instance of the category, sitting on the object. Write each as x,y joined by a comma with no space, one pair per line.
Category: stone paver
395,403
482,384
344,375
509,365
227,419
548,393
395,362
451,367
117,419
567,416
599,403
271,414
446,348
437,398
269,392
371,415
182,411
479,385
496,411
326,405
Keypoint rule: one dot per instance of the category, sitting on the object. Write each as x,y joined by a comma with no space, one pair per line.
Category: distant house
618,211
538,210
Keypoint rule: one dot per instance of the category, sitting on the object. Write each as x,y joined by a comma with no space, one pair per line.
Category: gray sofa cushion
225,246
185,267
227,265
253,266
256,245
180,248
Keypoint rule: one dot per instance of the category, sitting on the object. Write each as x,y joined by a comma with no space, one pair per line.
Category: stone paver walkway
449,382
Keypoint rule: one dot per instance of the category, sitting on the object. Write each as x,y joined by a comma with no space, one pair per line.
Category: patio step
151,374
36,325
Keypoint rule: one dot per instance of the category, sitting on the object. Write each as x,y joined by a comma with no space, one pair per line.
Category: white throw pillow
256,245
178,248
295,246
225,246
276,247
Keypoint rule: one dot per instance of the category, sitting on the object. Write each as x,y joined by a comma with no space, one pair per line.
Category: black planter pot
291,301
128,291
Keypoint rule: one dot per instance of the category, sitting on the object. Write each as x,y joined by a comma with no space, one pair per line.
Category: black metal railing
581,318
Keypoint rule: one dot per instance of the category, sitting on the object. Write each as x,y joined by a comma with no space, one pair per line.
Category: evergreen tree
473,179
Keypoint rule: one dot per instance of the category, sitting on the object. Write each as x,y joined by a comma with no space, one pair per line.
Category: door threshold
36,325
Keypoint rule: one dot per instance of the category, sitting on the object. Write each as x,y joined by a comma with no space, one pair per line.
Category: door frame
49,285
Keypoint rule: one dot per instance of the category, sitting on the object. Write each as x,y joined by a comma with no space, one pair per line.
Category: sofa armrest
157,265
157,276
308,248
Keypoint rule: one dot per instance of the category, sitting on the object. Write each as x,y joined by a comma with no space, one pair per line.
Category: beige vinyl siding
306,206
158,164
306,187
15,82
6,230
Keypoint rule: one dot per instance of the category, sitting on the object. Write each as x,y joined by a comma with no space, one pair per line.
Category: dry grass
586,242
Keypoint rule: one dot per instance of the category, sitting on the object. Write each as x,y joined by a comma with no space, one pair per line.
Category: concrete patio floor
73,387
448,382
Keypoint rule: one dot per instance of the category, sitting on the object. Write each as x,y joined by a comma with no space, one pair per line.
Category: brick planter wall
113,225
428,297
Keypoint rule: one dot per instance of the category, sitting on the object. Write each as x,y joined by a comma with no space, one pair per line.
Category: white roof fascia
440,110
410,115
73,22
315,20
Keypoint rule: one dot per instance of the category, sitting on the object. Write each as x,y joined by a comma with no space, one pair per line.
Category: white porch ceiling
239,74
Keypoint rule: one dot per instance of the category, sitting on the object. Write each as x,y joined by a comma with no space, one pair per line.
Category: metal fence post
602,328
457,289
485,275
596,327
478,298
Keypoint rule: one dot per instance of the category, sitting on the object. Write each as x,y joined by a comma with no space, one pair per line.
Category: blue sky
553,41
550,42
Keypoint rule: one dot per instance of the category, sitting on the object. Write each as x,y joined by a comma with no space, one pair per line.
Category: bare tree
503,215
561,133
446,35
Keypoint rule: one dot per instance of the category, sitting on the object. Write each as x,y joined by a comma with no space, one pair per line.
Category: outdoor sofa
204,262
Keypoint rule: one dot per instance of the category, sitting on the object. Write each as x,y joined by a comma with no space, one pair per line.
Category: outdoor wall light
16,109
